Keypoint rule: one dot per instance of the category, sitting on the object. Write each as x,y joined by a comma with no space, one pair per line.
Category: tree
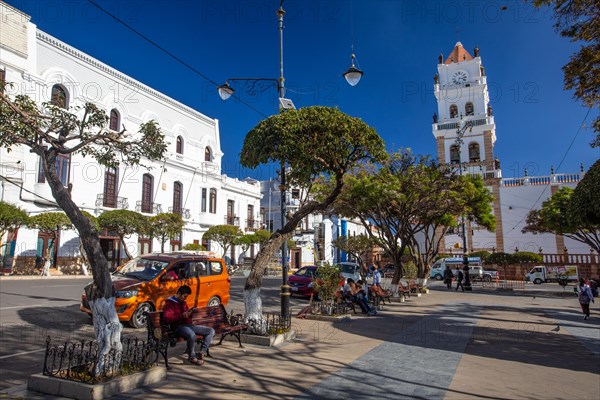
11,218
356,246
245,241
124,223
262,235
225,235
585,203
50,223
560,215
502,259
579,21
165,226
312,143
413,202
50,131
194,247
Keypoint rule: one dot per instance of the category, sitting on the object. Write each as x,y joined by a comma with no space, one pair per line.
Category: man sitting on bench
178,315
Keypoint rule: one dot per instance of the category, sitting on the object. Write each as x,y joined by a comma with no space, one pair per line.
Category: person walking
448,277
459,279
585,296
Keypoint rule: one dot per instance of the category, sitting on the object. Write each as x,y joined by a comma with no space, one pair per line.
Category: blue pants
189,332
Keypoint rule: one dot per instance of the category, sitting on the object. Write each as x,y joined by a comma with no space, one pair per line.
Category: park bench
413,286
403,290
379,296
161,336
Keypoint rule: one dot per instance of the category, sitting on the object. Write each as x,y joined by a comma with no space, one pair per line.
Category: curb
40,277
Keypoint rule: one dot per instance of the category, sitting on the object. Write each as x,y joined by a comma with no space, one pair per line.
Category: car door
167,288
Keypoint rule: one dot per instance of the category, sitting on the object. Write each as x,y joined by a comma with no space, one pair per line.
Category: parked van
475,267
144,283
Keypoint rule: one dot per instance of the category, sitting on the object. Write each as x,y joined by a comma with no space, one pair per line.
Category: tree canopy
165,226
356,246
11,217
225,235
579,21
124,223
560,216
50,222
311,144
412,202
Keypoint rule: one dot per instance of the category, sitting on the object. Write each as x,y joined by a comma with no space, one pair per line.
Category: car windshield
144,269
347,268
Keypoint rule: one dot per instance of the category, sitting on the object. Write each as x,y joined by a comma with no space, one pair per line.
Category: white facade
315,233
462,95
35,62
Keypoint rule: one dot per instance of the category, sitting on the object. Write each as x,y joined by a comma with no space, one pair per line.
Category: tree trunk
127,253
101,296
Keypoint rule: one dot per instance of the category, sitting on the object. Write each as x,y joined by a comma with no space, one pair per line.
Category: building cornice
52,41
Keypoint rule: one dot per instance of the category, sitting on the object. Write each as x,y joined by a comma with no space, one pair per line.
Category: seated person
171,275
359,297
177,313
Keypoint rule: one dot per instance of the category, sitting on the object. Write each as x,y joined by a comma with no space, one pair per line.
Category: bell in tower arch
441,58
476,51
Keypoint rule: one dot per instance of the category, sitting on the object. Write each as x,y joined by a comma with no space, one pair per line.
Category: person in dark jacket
459,279
177,314
448,277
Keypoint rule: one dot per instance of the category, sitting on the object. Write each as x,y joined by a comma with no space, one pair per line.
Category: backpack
584,297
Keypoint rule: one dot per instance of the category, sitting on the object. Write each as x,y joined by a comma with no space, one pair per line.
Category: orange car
144,283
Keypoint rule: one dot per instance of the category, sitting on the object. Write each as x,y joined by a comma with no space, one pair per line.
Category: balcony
232,220
110,201
183,212
252,225
148,208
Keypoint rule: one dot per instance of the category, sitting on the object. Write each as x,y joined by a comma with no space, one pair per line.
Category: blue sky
397,44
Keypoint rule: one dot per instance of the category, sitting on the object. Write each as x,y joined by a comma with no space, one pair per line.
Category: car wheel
487,278
214,301
537,281
438,277
138,319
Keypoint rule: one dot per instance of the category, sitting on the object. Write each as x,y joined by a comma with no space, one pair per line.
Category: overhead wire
170,54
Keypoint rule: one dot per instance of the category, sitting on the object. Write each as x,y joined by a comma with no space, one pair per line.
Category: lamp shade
353,75
225,91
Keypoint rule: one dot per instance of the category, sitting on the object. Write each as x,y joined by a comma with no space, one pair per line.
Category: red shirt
173,312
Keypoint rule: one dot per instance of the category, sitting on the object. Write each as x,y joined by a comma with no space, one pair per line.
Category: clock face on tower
459,77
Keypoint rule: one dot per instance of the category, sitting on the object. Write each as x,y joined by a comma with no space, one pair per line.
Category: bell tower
460,88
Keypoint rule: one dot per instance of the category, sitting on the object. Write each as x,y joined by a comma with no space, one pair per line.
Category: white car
350,270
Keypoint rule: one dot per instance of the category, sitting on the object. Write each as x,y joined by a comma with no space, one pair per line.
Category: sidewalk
443,345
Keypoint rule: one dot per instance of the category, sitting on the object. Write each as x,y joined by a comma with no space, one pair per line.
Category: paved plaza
442,345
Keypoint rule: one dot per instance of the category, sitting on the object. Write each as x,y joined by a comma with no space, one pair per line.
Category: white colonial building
314,236
189,182
463,104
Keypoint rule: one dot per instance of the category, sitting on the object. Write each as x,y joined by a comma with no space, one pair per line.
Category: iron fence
80,360
272,323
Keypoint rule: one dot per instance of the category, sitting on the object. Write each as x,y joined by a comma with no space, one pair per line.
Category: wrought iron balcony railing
148,208
232,220
110,201
184,212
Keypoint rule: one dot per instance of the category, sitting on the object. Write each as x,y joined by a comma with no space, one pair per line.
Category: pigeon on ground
556,329
533,297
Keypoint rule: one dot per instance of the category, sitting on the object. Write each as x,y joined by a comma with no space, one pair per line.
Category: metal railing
232,220
148,208
183,212
252,225
80,361
272,323
110,201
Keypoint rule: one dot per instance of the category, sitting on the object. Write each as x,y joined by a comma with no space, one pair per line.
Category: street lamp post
352,76
225,92
460,132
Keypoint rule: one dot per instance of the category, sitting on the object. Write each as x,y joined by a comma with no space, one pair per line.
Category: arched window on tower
474,152
454,154
115,120
179,148
453,111
469,110
207,154
59,97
